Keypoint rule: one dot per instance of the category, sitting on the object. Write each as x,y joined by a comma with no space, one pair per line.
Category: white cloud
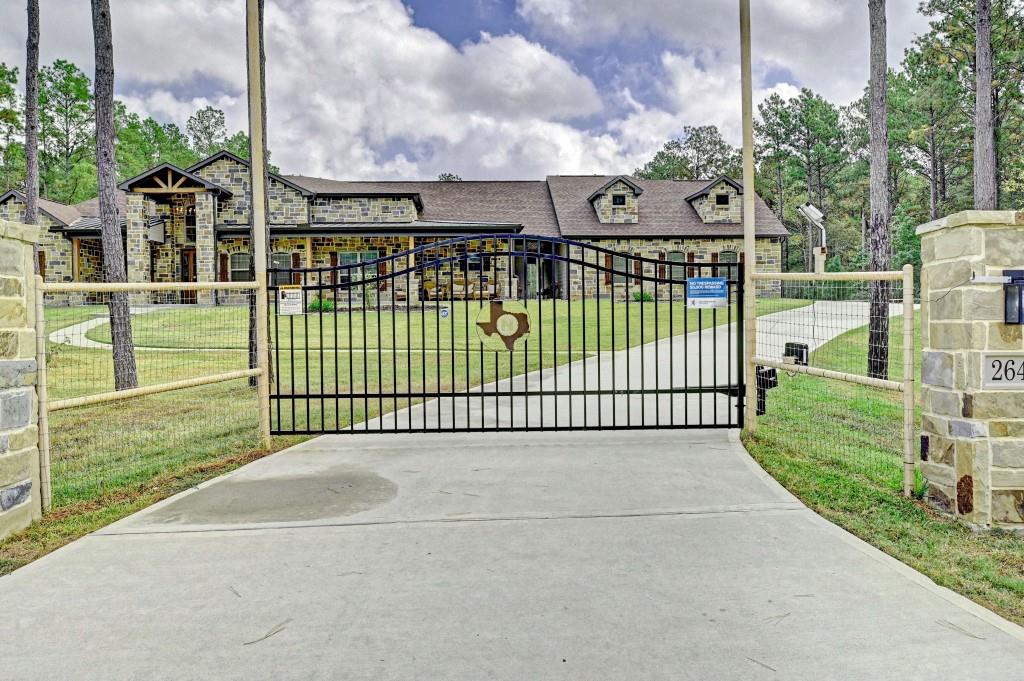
357,90
823,43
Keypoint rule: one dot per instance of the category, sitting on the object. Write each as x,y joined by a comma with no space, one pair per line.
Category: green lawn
838,447
111,460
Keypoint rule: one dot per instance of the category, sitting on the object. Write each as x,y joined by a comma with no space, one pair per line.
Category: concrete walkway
599,555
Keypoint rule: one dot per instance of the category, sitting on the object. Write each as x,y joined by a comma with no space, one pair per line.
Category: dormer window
618,199
722,200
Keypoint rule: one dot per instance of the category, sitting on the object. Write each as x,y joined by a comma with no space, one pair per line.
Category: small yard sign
289,300
705,292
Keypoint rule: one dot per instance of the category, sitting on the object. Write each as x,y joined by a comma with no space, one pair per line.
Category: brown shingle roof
525,203
664,210
91,207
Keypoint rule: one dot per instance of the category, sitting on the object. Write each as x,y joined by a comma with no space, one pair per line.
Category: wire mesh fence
832,376
115,451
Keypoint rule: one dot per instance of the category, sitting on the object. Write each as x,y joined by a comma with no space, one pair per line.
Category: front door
188,273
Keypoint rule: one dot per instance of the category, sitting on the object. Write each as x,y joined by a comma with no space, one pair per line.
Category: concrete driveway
598,555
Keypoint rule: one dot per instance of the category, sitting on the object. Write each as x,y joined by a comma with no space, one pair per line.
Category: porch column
206,245
138,260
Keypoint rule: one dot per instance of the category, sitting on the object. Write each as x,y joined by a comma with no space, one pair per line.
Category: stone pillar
137,243
973,436
20,499
206,245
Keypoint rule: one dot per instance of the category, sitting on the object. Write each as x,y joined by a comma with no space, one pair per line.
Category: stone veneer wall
286,205
607,213
768,250
206,244
362,209
710,212
56,249
973,439
137,246
20,499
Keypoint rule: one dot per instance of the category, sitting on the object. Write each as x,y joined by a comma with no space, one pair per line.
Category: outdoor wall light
1014,291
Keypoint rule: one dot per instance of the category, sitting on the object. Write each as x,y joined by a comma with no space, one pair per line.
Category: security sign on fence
707,292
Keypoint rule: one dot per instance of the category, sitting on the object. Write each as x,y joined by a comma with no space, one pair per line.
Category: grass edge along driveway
850,489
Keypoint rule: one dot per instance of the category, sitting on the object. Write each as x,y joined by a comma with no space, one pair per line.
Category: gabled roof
618,178
155,172
706,189
224,153
664,211
60,212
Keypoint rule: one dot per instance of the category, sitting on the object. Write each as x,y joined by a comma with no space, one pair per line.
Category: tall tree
66,133
206,131
32,116
878,225
448,177
125,374
701,153
985,173
11,150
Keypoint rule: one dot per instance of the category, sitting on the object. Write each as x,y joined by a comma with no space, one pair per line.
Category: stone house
192,224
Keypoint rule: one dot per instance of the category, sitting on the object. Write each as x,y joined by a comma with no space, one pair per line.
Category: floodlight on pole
815,218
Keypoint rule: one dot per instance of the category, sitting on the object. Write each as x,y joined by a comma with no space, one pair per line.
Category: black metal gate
503,332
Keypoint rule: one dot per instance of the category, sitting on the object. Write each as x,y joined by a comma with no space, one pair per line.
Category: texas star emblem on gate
503,325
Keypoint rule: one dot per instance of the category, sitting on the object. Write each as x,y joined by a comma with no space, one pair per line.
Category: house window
677,272
281,261
618,199
239,267
190,216
728,256
722,200
354,258
620,264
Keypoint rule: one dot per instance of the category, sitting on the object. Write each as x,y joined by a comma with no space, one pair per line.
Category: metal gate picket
502,332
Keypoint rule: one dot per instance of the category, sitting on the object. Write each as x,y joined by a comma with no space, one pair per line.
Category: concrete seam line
707,512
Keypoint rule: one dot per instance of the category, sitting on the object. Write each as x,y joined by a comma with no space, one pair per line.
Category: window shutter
334,273
382,268
608,263
638,268
661,268
296,264
224,274
690,272
714,270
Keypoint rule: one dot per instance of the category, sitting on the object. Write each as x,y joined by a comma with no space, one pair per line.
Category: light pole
749,224
258,173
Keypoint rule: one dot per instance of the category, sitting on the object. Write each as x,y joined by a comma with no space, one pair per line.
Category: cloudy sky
512,89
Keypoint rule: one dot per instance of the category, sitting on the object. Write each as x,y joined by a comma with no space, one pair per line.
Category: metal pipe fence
192,403
835,377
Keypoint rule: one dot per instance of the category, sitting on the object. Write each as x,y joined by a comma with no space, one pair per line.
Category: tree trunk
933,171
32,118
878,236
985,184
125,374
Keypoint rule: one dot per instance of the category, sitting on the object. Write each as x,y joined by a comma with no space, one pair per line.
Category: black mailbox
1014,297
767,378
798,351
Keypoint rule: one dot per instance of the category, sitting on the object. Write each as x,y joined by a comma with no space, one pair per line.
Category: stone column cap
19,232
974,218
